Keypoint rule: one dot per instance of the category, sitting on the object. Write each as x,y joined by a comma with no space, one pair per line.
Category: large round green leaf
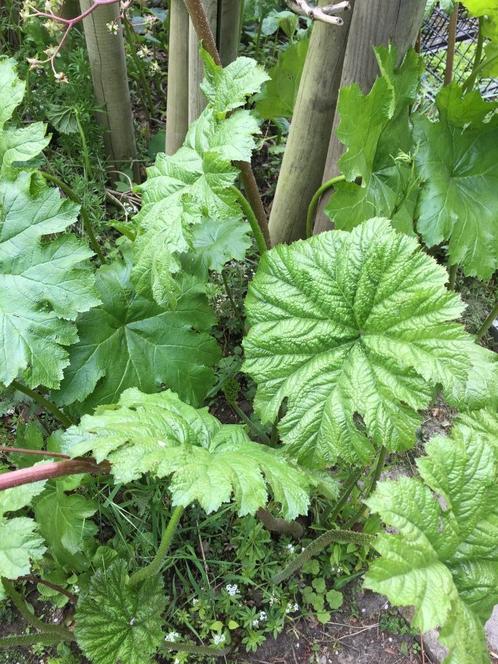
350,334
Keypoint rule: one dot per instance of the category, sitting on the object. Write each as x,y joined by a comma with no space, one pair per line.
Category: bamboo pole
177,103
106,54
229,26
306,150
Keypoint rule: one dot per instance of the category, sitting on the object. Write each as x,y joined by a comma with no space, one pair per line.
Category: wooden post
177,103
110,82
306,150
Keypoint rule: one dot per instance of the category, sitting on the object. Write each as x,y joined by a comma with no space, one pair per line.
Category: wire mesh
434,45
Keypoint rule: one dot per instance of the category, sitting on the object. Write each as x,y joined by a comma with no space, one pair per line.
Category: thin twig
6,449
69,23
323,14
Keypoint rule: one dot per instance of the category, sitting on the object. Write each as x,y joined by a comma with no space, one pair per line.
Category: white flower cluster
218,639
232,589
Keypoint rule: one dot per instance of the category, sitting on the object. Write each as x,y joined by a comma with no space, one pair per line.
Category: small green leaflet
355,330
457,159
119,623
482,423
130,340
194,184
376,132
20,542
443,558
208,461
228,88
278,95
215,244
64,522
16,144
43,285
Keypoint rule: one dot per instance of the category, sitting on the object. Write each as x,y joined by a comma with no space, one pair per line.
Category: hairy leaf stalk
318,545
51,470
47,405
154,567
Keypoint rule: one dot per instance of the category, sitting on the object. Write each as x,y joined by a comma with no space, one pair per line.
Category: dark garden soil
359,634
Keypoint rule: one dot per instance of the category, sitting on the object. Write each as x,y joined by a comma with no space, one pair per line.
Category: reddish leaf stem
52,469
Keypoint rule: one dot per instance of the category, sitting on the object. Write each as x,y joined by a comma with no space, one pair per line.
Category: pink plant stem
52,469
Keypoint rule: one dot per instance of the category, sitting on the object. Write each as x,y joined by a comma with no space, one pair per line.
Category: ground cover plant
200,423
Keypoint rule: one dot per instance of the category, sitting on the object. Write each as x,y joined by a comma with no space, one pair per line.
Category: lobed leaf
186,189
20,542
16,144
351,333
119,623
207,461
278,95
227,88
43,285
456,159
376,132
64,521
131,341
443,557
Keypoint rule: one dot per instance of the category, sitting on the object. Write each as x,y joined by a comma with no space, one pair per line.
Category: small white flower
290,548
132,621
263,617
172,636
113,27
272,600
143,52
232,589
195,601
292,608
255,623
218,639
150,19
154,66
